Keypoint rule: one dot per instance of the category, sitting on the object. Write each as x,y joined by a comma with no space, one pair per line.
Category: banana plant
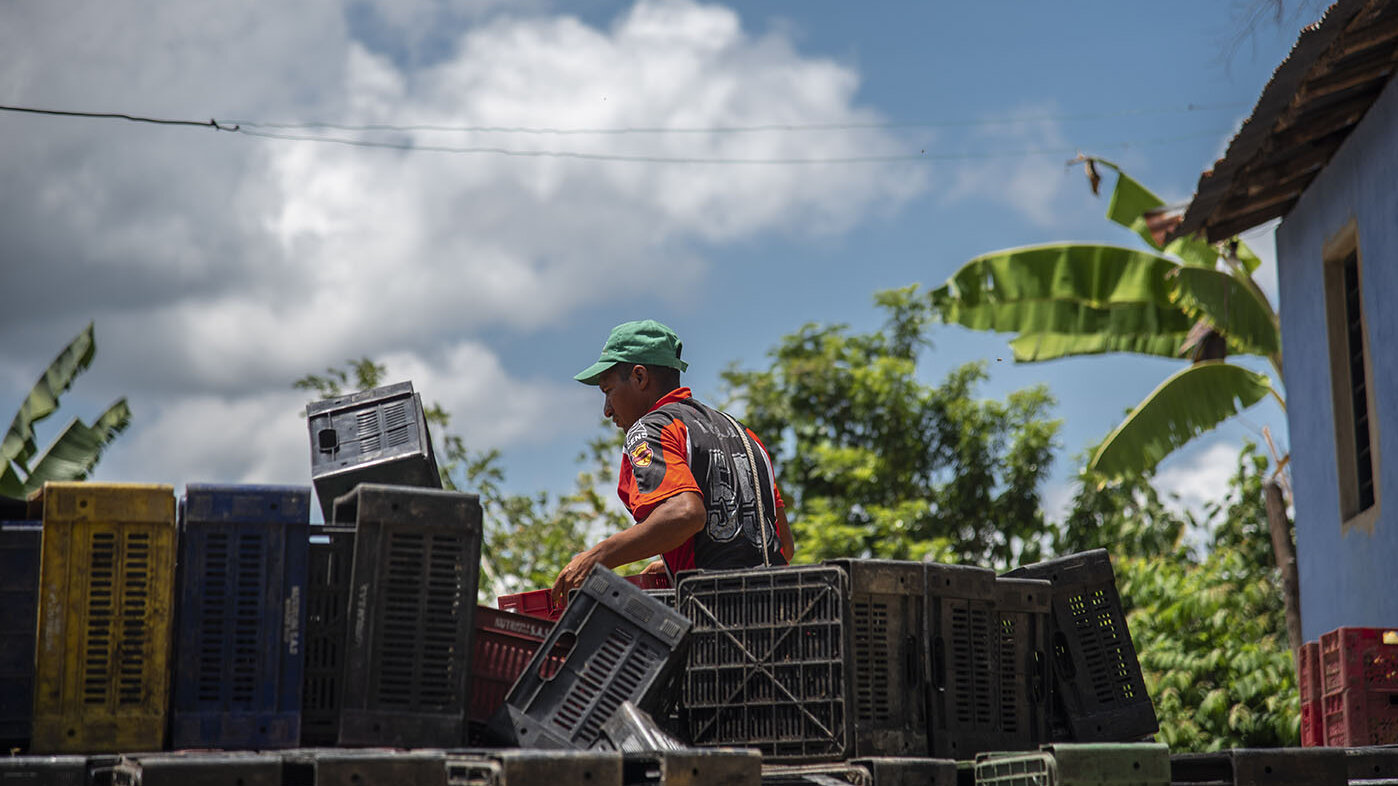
1182,298
76,450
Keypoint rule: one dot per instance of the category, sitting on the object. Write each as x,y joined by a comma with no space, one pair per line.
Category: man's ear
640,376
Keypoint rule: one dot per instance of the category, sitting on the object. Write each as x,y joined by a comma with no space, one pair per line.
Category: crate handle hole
72,732
82,503
558,654
1267,769
1135,765
328,440
1065,661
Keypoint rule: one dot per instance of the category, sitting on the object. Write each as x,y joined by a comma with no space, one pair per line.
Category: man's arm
670,524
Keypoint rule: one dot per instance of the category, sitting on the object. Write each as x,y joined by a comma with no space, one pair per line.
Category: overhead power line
250,128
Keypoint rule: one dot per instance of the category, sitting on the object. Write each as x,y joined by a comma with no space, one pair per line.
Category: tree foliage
74,453
528,538
1207,618
873,462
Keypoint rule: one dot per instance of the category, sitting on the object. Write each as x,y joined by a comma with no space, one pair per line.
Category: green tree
873,462
1210,631
1182,298
528,538
74,453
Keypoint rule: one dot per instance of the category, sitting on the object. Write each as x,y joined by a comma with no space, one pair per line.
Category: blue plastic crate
239,642
19,618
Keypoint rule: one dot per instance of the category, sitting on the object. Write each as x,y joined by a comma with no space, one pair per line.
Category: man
699,484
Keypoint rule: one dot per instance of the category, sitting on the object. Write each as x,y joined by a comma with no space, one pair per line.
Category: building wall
1347,578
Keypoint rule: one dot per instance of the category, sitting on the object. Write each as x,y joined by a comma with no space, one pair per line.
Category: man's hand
572,575
655,567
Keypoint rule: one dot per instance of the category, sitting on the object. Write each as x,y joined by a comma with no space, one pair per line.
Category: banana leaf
1129,203
18,445
1055,291
10,483
1187,404
1032,347
1247,322
73,454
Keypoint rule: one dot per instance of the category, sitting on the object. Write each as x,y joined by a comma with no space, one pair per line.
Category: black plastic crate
43,770
532,767
1098,686
1373,765
369,767
693,767
330,561
767,665
19,618
1262,767
963,663
199,768
1025,608
374,436
820,774
238,647
613,644
412,607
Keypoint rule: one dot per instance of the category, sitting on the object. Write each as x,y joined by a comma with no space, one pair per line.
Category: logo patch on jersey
641,455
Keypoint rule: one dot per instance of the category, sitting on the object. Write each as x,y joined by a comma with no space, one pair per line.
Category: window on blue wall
1356,433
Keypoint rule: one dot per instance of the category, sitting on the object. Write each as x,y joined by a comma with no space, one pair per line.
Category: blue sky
220,267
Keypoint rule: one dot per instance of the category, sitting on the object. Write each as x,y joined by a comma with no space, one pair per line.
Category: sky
525,175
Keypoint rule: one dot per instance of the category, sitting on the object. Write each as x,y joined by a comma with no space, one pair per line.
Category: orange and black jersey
682,445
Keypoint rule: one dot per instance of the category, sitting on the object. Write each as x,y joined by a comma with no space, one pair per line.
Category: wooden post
1285,554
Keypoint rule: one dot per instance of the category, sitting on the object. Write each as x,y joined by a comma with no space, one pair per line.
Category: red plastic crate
538,603
504,643
1355,718
1308,679
1358,659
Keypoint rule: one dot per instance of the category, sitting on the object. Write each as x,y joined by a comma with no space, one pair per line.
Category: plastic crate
504,644
19,615
539,603
1261,767
238,649
533,603
1138,764
767,665
330,559
693,767
1354,718
1025,607
43,770
963,662
521,767
1309,687
199,768
373,436
908,771
1362,658
368,767
105,612
1372,765
615,644
412,604
1097,678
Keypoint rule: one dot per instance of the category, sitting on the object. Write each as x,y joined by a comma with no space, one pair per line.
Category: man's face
625,398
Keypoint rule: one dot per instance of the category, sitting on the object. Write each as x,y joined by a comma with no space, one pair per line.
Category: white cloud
220,267
1197,475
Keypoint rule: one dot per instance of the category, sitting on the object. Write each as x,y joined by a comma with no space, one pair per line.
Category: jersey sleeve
655,465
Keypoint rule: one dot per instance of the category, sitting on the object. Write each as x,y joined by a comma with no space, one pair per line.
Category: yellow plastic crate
106,610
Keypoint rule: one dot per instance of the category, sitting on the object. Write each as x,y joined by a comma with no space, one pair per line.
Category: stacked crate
1359,681
1093,764
412,603
1261,767
238,644
330,559
19,615
1308,685
102,658
1099,691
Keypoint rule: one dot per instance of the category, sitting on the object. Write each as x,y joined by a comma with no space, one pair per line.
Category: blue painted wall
1346,578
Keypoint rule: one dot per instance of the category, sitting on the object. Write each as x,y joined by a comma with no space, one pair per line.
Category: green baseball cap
646,342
